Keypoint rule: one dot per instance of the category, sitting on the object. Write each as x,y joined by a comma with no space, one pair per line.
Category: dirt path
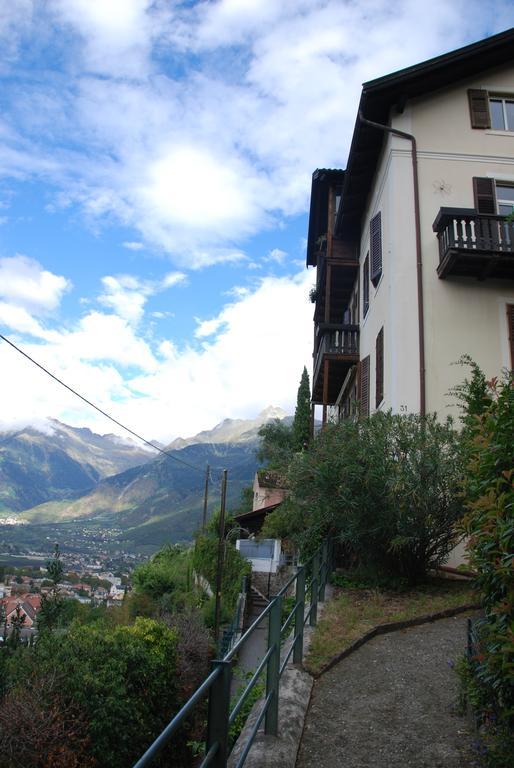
391,704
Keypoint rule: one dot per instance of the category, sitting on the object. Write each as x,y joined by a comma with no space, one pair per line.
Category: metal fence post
313,617
273,667
218,713
324,570
299,616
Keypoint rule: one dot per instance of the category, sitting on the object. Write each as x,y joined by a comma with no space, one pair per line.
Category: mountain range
69,474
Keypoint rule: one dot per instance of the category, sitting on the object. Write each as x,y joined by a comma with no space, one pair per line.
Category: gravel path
391,704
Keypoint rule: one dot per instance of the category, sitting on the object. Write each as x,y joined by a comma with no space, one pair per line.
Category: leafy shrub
489,526
386,487
40,729
121,679
235,567
166,579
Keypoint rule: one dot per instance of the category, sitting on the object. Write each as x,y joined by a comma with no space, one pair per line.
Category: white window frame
503,101
503,201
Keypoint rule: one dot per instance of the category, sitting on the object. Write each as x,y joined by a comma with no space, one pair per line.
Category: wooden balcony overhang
474,245
337,350
335,281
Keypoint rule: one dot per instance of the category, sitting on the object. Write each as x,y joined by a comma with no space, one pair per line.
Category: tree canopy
302,415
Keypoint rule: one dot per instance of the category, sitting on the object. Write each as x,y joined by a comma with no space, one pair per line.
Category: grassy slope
353,612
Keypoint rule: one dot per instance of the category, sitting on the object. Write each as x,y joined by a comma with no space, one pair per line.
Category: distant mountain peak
232,430
272,412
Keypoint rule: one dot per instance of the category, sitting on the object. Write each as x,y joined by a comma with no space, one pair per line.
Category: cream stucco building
414,257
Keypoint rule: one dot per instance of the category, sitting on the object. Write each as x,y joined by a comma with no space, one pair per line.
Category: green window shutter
479,108
364,386
375,247
379,354
485,195
510,322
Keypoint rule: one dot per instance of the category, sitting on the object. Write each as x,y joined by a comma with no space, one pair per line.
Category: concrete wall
461,315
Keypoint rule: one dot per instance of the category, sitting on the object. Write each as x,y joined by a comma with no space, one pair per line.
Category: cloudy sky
155,163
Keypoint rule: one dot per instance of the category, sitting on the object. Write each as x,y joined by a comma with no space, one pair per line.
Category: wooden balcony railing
472,245
337,340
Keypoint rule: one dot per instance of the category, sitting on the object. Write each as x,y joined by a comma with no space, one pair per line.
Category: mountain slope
160,499
37,466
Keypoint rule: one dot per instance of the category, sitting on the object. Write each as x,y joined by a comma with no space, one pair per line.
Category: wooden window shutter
365,287
485,195
364,387
479,108
510,321
379,351
375,247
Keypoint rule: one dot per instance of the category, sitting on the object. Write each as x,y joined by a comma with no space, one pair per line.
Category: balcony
335,280
336,350
472,245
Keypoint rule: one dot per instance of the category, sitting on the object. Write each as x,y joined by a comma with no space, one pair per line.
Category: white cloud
21,321
173,278
197,154
116,34
25,284
252,357
208,327
127,295
276,255
133,245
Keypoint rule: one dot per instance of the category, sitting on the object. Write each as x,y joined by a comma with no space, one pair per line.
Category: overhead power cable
97,408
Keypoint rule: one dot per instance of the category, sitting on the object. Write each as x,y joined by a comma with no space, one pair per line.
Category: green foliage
277,445
302,417
489,525
495,741
362,579
255,694
121,678
166,579
51,611
235,567
386,487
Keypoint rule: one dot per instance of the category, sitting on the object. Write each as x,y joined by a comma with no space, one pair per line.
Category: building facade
412,243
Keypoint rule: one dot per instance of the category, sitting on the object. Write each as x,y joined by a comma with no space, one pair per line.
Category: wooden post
326,364
327,293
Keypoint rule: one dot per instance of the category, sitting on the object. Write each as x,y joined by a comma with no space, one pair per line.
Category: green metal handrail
217,684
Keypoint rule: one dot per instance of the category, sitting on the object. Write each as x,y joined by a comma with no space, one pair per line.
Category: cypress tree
302,414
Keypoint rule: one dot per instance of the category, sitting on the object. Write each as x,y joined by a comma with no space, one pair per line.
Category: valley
100,495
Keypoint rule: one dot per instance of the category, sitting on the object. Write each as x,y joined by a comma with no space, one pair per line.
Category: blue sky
155,163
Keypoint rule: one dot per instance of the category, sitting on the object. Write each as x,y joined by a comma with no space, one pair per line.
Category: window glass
496,108
509,113
502,113
505,198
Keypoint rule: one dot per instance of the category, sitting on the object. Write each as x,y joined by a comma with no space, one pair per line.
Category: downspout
419,263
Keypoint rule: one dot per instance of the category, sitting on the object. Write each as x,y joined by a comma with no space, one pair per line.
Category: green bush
235,567
122,679
386,487
166,581
489,525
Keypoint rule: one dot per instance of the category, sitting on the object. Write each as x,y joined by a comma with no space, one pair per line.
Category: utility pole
219,569
205,497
